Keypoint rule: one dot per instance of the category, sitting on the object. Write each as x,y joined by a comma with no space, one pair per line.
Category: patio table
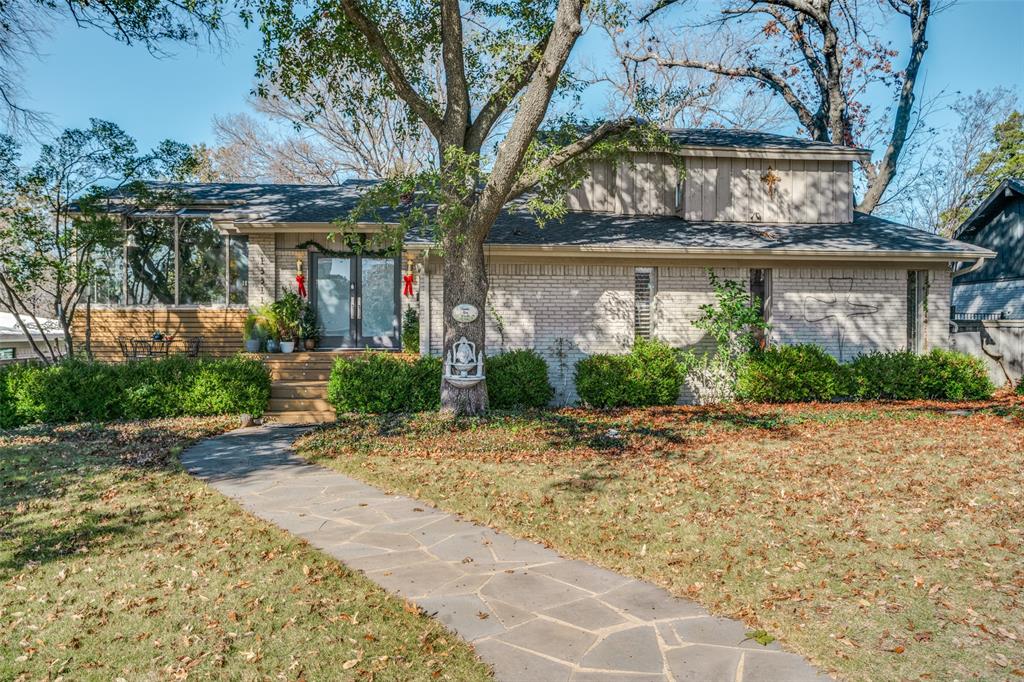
150,347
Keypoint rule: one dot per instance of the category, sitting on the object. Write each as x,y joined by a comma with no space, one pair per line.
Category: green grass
883,541
116,564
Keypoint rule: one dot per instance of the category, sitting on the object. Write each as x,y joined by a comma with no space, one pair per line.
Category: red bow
301,281
407,291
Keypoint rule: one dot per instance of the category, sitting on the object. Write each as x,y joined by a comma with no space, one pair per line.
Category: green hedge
650,374
379,382
77,390
517,379
789,374
807,373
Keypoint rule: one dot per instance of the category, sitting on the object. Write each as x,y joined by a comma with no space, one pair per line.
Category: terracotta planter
309,344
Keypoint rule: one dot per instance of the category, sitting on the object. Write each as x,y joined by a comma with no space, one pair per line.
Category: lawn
116,564
882,541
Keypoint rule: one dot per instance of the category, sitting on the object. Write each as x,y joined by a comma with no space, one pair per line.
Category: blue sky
82,74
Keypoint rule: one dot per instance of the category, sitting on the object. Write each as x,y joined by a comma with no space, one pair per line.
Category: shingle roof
753,139
272,203
992,203
589,231
866,235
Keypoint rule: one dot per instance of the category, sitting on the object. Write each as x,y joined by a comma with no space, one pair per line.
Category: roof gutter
746,253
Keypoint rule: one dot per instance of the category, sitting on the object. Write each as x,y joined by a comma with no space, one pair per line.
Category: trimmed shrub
888,376
411,331
949,375
649,375
790,374
78,390
379,382
517,379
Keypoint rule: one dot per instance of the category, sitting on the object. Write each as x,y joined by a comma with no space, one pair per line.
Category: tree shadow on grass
51,475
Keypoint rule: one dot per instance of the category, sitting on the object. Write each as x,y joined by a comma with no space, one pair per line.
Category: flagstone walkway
532,614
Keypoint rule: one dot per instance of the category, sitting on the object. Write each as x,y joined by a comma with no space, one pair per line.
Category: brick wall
846,311
567,311
262,268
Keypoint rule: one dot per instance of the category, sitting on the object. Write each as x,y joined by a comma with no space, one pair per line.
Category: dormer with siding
728,176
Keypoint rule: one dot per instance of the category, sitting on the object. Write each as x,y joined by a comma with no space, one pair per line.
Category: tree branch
569,152
761,74
456,115
533,107
398,78
503,95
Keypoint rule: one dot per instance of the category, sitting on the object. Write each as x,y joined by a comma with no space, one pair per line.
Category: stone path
530,613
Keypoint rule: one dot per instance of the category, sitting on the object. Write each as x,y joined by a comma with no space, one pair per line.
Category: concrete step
299,405
301,417
298,389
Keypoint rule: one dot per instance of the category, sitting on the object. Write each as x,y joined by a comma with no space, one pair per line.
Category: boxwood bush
789,374
650,374
517,379
78,390
805,373
949,375
379,382
888,376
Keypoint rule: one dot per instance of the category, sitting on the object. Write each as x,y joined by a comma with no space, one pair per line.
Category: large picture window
170,260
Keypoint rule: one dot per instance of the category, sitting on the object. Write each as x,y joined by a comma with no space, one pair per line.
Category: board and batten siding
720,189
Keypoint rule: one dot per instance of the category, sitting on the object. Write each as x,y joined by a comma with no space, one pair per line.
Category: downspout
981,340
966,271
975,266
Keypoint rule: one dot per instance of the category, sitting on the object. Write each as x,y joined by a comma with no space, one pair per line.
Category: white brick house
631,257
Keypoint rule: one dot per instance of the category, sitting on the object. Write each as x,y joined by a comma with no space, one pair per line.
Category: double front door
357,300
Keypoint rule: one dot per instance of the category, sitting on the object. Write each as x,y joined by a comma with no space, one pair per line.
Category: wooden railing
221,328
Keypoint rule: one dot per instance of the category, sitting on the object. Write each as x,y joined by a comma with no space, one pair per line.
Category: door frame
355,338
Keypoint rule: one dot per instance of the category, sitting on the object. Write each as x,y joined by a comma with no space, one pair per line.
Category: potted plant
253,333
288,314
309,329
268,324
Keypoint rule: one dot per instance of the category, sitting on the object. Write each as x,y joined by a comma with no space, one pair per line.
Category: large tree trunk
465,281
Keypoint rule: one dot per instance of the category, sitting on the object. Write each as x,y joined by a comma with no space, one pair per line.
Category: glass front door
334,293
357,302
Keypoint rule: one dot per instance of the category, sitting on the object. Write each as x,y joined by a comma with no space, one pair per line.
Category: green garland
353,244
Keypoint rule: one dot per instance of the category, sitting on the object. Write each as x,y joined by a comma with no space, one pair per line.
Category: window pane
378,282
151,262
238,268
333,296
201,263
108,276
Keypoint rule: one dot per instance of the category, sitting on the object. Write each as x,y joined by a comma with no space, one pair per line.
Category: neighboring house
14,345
630,259
995,290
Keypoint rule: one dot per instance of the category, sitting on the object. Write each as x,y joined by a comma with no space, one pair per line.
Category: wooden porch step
301,417
298,389
299,405
298,374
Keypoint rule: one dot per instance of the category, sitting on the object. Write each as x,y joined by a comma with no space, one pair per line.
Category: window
173,261
150,256
760,296
645,284
202,264
917,295
8,353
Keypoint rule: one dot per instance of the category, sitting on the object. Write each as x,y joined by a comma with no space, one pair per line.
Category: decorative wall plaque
465,312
